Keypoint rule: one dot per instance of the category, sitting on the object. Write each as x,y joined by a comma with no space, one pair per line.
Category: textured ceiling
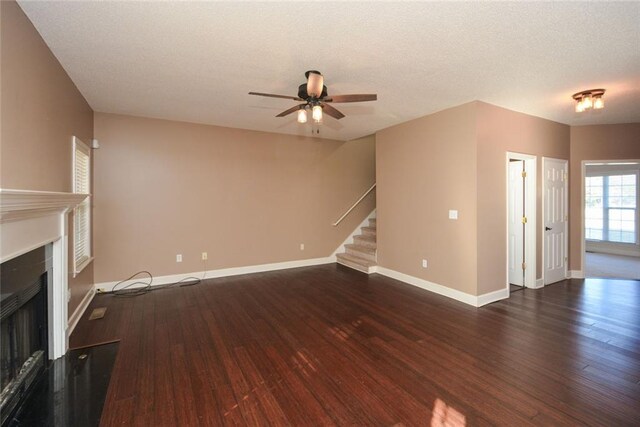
196,61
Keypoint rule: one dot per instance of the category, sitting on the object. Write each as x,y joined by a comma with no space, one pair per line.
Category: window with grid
82,212
611,203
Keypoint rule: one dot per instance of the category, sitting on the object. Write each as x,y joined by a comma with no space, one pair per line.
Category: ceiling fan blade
315,82
290,110
271,95
351,98
331,111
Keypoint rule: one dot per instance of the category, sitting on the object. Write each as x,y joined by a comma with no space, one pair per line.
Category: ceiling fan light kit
315,97
589,99
317,113
302,115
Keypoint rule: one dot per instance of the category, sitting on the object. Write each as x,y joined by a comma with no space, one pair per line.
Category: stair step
361,251
372,222
355,262
364,240
368,231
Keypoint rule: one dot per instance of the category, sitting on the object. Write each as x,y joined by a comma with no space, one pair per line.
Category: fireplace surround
31,220
33,229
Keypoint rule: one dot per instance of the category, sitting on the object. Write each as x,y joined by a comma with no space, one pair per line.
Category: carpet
612,266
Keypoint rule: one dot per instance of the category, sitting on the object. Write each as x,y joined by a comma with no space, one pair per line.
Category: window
82,212
611,203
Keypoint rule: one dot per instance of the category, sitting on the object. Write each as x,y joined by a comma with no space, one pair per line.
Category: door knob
547,229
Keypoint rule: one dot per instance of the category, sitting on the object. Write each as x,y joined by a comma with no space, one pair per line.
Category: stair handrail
355,204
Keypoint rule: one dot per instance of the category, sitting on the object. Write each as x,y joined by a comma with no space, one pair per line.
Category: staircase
361,254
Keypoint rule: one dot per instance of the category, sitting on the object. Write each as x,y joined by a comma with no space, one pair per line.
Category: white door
555,220
516,228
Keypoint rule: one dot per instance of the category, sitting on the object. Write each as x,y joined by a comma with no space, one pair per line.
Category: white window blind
611,203
82,212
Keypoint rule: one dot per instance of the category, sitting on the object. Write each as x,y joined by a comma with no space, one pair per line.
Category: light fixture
302,115
588,99
315,83
317,113
598,103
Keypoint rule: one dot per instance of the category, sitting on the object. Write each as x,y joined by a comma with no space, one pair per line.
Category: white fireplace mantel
21,204
29,220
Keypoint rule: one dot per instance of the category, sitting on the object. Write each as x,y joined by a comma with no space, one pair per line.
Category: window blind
82,212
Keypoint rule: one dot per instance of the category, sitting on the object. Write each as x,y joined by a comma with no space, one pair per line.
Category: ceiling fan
315,97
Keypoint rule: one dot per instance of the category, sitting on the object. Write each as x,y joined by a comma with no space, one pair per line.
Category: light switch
453,214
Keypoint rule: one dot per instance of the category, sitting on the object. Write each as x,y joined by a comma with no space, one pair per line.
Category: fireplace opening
23,327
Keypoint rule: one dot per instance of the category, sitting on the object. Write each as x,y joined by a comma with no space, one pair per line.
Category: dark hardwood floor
330,346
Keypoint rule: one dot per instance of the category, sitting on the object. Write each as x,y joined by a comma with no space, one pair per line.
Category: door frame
566,231
531,200
515,229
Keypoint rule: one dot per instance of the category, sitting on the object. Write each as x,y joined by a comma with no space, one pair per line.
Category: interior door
516,228
555,220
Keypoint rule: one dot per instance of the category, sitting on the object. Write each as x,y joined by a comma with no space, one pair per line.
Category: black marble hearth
73,391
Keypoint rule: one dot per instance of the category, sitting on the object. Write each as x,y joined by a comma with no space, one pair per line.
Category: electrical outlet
302,246
453,214
424,263
179,258
204,256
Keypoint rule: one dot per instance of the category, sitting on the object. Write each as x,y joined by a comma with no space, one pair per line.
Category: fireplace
23,320
33,224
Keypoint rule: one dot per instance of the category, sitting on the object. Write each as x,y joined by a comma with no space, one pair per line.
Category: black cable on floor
126,291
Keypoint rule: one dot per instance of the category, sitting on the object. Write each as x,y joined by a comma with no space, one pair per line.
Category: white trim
30,219
531,206
539,283
79,268
223,272
490,297
16,205
576,274
475,301
626,249
349,239
79,311
78,145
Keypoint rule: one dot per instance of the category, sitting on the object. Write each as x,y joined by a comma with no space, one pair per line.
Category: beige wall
596,142
501,130
455,159
41,110
244,197
424,168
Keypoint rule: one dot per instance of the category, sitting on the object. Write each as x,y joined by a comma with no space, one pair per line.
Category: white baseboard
576,274
626,249
490,297
349,239
539,284
223,272
473,300
79,311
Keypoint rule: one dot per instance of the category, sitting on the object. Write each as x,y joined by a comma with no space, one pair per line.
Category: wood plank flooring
327,345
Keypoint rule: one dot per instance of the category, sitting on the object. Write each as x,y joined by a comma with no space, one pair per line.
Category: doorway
521,221
555,219
610,232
